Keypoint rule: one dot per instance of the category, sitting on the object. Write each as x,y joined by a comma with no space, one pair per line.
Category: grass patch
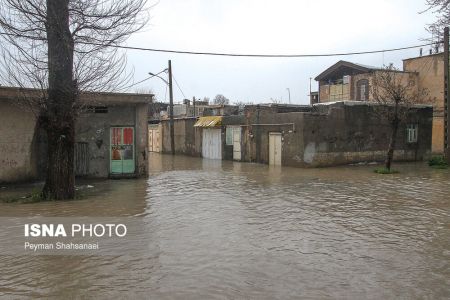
384,170
438,162
36,196
31,197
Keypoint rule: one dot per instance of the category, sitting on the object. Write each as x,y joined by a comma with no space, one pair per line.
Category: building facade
311,136
110,135
346,81
430,70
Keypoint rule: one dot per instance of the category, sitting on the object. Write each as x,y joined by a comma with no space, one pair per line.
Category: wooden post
446,96
171,123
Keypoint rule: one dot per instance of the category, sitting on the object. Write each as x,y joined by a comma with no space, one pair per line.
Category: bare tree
221,99
275,100
242,103
62,48
442,9
395,93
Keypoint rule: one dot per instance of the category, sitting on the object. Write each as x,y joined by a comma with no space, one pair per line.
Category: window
346,79
97,109
229,134
411,133
363,92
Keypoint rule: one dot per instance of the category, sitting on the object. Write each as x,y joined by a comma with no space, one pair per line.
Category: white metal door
237,143
212,144
275,148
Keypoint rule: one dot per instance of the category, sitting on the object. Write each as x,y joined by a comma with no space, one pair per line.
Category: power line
178,86
136,83
245,55
266,55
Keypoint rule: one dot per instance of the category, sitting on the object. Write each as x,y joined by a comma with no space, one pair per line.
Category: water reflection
219,229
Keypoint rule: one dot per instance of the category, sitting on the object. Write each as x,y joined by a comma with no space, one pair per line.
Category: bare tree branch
395,93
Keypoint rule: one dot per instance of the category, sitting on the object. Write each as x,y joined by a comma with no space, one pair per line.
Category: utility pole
171,124
446,97
193,103
310,91
289,92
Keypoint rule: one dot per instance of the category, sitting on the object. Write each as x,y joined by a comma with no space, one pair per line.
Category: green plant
438,162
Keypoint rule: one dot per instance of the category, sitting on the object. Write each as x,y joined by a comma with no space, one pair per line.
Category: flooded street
224,230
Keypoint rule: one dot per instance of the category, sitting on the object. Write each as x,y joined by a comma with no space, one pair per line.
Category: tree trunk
58,117
393,139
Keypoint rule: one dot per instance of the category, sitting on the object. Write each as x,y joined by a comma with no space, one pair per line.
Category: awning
211,121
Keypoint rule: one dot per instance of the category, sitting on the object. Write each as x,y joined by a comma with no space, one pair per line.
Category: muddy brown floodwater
224,230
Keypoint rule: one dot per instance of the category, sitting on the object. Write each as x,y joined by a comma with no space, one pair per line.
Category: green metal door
122,150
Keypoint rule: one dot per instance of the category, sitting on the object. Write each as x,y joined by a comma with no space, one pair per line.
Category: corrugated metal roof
210,121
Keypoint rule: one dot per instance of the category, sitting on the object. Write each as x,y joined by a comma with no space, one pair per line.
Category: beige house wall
431,78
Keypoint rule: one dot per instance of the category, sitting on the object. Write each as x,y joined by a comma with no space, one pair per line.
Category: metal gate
275,148
81,159
122,150
212,143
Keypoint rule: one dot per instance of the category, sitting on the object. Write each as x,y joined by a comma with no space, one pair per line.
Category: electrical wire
136,83
178,86
245,55
268,55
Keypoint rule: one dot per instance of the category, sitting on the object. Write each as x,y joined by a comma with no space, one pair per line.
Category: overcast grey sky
269,27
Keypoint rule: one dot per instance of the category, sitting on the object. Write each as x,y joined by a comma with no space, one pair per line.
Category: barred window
412,133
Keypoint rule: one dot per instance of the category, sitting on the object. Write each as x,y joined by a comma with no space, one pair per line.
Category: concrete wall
23,150
188,139
142,138
431,78
19,143
350,133
335,134
330,134
94,129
